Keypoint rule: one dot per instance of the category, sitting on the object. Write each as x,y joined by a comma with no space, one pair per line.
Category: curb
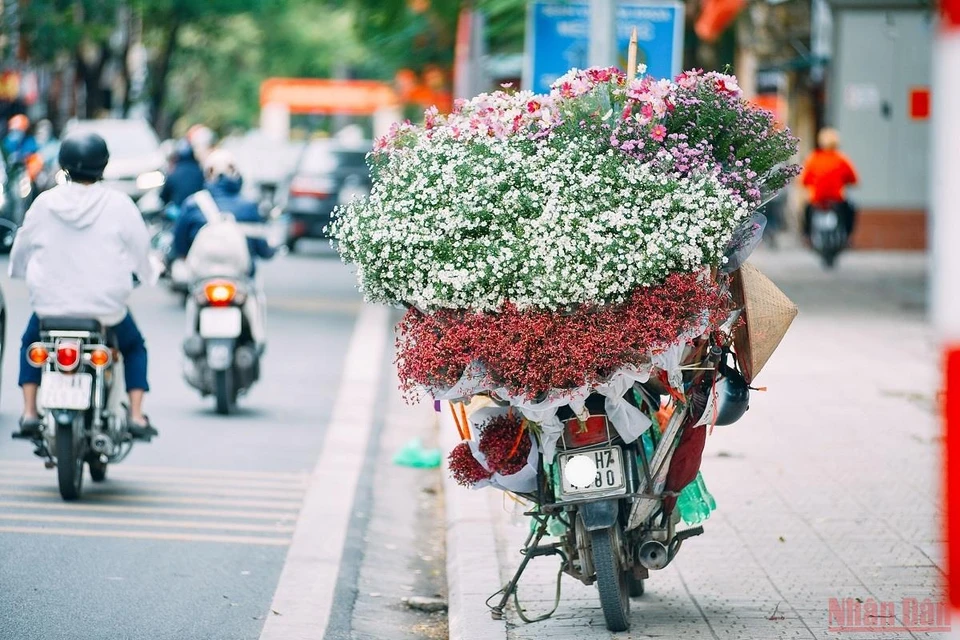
472,566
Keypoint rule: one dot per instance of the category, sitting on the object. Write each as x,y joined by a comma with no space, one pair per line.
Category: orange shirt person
826,174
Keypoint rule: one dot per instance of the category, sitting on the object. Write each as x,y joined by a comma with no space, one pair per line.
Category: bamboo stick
632,57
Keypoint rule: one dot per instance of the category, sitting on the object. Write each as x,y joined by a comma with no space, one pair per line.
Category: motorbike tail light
68,355
583,433
220,294
99,357
38,355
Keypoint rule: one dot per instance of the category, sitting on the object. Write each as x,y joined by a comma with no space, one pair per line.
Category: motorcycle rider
185,179
80,249
826,173
17,144
224,183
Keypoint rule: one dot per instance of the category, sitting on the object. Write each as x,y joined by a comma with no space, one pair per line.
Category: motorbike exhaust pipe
653,555
101,443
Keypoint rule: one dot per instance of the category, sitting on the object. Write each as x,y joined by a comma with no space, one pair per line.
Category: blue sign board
558,39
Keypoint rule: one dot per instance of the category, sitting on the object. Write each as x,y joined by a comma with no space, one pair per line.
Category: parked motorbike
222,351
827,234
82,399
613,501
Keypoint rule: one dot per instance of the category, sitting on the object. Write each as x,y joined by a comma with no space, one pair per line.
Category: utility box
879,99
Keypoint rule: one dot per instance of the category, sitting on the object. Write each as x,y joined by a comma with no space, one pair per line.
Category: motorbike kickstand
530,550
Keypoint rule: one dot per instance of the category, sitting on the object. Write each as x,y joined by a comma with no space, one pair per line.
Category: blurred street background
290,518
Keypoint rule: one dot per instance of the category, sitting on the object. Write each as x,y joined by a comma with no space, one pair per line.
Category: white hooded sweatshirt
78,250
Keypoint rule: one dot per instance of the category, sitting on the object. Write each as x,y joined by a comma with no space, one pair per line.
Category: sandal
142,430
30,428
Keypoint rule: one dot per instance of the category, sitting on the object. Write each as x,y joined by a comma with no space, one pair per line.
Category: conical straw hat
767,315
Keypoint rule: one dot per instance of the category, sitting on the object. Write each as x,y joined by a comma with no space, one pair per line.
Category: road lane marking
304,595
148,535
182,471
156,489
148,522
123,477
259,514
92,498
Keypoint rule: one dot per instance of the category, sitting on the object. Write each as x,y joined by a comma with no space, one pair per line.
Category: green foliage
404,38
220,64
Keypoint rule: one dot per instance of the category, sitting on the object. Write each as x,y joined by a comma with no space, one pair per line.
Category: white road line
181,471
158,489
259,514
124,477
95,498
147,535
147,522
304,595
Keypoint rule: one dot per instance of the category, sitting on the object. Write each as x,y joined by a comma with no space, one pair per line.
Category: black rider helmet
84,156
733,396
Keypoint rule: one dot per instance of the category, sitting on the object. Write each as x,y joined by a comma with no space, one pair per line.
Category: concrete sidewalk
827,489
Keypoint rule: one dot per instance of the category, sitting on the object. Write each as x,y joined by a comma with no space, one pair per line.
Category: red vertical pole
945,237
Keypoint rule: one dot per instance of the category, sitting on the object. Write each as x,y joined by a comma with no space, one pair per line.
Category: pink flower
647,111
533,106
658,133
727,85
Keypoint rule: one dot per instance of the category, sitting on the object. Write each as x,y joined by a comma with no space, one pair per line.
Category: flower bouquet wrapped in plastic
550,247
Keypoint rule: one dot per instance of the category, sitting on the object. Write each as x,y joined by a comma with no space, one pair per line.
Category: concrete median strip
472,566
304,596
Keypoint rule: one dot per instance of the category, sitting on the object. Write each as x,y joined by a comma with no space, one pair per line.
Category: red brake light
220,294
310,187
68,355
583,434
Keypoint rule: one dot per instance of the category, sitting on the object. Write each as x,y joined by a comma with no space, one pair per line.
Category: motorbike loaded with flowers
574,271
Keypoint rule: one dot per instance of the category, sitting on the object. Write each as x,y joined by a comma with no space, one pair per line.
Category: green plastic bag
414,455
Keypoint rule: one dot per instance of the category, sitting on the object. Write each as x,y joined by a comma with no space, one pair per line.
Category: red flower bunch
504,442
530,352
464,467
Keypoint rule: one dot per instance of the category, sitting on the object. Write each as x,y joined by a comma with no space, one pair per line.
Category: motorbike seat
64,323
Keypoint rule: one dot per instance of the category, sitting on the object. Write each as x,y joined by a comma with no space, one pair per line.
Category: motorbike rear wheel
69,462
224,392
611,580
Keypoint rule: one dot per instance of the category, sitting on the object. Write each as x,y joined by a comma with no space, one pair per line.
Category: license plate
608,464
220,322
61,391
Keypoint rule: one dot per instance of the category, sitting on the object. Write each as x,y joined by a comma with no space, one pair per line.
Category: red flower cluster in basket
503,440
530,352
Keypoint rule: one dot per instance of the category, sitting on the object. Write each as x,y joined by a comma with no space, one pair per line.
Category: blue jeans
129,341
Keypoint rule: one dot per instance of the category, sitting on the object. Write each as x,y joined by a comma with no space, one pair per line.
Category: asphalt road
188,536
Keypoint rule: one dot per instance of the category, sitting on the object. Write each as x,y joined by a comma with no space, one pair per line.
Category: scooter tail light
583,433
220,294
68,355
38,355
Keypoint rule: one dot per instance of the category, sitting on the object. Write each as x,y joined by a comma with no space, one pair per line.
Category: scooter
827,234
225,338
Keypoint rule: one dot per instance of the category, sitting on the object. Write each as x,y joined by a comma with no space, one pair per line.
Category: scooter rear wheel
611,580
224,392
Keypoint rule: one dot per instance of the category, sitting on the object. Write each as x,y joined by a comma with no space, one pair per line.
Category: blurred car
265,163
137,163
328,173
